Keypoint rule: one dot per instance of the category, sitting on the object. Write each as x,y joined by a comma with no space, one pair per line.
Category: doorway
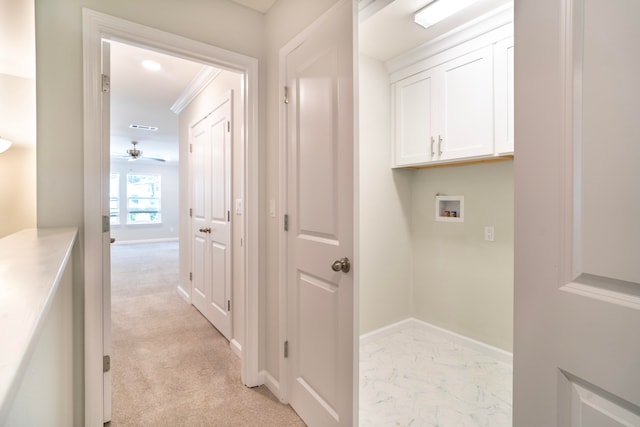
99,27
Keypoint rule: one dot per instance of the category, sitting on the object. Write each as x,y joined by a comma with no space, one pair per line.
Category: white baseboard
236,348
183,294
272,384
486,349
133,242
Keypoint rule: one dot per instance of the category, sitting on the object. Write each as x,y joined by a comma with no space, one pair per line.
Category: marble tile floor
413,377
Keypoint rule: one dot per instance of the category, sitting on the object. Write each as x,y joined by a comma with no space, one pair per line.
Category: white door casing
210,159
106,235
320,201
577,276
96,28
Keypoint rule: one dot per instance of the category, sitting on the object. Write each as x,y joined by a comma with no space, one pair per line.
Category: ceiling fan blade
157,159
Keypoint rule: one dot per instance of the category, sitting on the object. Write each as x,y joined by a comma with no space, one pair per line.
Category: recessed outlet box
450,208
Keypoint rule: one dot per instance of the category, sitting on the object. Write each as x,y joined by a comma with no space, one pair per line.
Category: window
143,199
114,198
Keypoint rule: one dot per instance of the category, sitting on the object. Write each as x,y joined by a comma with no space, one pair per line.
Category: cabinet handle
433,153
440,145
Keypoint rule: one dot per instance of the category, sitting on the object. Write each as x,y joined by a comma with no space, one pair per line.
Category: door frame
280,388
97,27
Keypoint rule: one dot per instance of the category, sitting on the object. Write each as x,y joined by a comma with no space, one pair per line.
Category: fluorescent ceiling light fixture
5,144
151,65
438,10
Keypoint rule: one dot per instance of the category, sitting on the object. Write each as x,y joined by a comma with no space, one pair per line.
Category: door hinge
286,349
106,363
106,223
228,126
191,148
228,216
191,276
228,305
106,83
286,222
191,212
286,95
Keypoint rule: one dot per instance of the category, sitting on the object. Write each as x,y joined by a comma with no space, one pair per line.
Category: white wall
462,282
203,104
169,187
386,275
17,116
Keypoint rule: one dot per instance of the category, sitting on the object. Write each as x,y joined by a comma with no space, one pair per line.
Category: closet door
210,222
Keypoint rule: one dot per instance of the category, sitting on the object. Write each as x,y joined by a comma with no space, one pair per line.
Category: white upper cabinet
466,107
414,125
457,104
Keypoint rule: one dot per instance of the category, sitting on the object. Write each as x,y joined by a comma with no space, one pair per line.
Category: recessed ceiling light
151,65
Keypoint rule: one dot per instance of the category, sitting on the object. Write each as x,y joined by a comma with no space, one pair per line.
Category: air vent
143,127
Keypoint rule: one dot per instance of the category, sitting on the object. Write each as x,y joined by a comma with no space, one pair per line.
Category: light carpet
170,366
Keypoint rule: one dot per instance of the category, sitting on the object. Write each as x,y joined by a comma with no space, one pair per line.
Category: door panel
210,223
468,106
577,290
414,121
319,75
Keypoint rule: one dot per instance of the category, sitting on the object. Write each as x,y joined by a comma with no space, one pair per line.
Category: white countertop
31,265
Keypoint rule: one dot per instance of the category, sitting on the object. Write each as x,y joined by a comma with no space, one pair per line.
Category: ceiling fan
134,154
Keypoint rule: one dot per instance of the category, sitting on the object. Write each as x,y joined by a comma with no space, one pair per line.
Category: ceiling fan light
438,10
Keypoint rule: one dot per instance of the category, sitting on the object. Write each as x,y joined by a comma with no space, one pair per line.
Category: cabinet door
413,121
503,78
466,117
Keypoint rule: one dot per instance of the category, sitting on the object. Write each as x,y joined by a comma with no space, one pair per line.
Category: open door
577,180
319,113
106,233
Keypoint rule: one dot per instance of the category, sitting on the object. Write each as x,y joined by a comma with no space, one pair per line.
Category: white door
466,122
320,195
106,236
577,181
210,141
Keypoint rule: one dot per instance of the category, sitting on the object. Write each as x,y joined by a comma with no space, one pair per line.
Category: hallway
170,366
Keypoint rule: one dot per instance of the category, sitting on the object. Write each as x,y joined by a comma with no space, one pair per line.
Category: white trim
193,89
183,294
483,348
236,348
134,242
96,27
272,384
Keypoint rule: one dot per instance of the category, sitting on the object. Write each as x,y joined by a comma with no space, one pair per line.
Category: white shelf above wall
450,208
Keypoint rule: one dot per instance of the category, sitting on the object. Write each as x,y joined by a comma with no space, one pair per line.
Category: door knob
342,264
205,229
112,240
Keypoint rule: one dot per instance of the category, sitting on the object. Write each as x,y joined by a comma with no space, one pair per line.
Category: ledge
32,262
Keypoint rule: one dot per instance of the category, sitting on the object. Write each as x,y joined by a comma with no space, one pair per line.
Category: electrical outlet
489,233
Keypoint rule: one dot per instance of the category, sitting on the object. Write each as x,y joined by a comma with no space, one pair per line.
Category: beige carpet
170,366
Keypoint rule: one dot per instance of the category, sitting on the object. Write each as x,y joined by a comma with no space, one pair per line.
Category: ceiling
144,97
260,5
391,31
